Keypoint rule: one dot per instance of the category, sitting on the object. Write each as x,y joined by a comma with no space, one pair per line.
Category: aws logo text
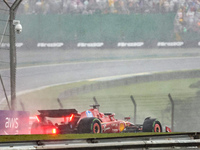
11,123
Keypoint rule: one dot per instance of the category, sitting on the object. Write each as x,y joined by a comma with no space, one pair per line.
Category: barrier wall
14,122
103,30
110,28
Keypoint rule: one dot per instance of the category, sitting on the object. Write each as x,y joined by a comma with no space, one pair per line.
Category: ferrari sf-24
89,121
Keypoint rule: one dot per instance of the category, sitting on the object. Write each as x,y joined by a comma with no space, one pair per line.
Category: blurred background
108,23
79,33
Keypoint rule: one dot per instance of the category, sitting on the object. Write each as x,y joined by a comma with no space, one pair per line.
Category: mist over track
37,69
38,76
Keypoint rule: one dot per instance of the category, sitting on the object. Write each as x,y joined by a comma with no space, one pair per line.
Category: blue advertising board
14,122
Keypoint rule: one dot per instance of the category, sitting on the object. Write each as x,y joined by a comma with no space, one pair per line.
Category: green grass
151,98
14,138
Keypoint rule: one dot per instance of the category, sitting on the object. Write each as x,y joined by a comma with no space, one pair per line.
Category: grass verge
15,138
151,98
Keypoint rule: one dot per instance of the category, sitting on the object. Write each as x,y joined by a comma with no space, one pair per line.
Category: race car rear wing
55,113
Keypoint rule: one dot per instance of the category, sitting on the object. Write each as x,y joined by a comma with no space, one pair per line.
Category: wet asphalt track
47,75
82,65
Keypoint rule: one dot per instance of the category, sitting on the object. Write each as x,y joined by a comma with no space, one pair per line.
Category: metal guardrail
152,141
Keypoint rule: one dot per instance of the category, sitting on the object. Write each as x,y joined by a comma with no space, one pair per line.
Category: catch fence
176,110
4,51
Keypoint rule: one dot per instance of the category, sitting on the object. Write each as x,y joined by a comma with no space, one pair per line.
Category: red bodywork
108,123
70,121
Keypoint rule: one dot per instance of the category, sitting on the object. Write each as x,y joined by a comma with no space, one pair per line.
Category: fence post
134,109
172,112
5,93
59,102
22,105
95,101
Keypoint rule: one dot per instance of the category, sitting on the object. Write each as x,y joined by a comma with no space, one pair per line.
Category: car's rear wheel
151,125
89,125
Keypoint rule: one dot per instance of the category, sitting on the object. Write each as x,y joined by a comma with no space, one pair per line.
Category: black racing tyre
89,125
151,125
37,128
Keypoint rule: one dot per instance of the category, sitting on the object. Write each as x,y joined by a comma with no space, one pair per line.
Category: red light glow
54,131
37,118
71,117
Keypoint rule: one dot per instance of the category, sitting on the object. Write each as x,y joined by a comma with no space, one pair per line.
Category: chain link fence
4,51
183,112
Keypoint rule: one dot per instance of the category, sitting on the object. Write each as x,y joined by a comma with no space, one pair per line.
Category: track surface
115,63
35,77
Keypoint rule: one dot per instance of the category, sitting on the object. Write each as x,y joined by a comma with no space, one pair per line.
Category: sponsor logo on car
89,114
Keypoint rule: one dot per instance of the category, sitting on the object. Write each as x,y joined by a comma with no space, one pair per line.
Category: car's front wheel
151,125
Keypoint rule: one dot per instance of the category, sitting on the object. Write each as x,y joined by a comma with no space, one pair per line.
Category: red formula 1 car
89,121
